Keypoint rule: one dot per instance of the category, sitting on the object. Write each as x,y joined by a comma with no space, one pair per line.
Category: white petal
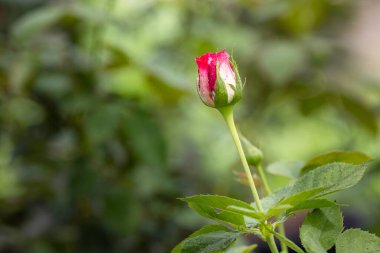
228,77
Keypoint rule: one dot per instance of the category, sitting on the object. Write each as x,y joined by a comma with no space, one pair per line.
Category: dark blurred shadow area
101,128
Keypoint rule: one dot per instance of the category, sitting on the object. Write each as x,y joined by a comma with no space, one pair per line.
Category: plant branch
272,244
264,179
227,113
229,118
281,227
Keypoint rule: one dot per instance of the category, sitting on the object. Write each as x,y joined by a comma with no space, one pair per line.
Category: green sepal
239,85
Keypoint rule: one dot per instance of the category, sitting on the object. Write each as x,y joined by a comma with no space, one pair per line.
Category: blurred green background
101,128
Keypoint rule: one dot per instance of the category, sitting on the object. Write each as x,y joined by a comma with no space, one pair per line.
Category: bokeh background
101,128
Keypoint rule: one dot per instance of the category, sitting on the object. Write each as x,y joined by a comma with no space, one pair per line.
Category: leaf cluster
322,228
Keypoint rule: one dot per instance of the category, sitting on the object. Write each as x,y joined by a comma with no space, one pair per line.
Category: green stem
264,179
281,227
272,244
281,230
229,118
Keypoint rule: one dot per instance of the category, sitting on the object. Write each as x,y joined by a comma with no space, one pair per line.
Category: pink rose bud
219,82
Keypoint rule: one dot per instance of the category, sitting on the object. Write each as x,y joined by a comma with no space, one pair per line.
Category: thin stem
281,230
281,227
264,179
272,244
229,118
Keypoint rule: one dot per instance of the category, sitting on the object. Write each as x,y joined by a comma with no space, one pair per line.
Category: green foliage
321,228
205,230
311,203
321,181
289,202
242,249
334,177
211,242
36,22
221,208
356,240
292,169
337,156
